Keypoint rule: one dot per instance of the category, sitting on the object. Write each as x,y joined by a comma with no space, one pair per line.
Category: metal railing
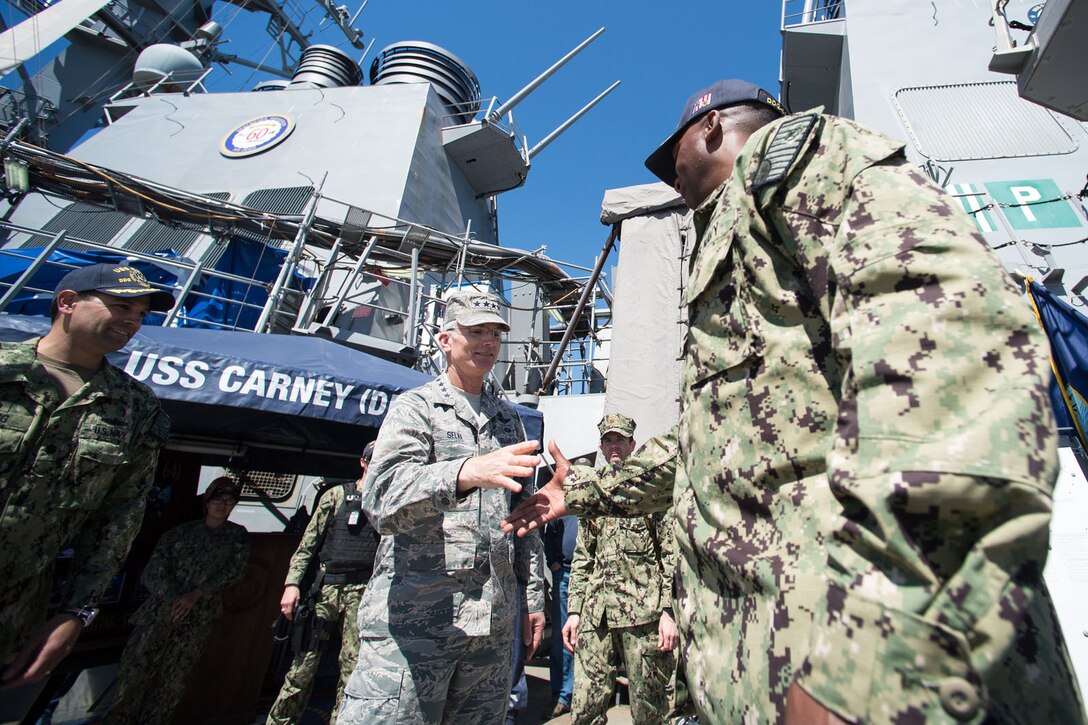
807,12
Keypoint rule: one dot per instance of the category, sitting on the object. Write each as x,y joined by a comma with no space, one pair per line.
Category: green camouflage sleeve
405,485
160,574
944,457
230,568
307,548
105,538
665,535
581,566
643,484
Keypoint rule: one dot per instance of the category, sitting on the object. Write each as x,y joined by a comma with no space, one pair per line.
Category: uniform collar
489,403
22,365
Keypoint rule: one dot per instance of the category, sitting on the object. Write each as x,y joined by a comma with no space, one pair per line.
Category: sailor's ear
65,300
712,124
444,340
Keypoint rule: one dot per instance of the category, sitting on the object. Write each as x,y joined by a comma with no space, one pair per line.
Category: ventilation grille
264,485
288,200
154,236
84,221
979,121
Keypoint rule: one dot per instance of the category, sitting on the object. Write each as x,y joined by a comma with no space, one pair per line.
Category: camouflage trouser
22,611
596,660
453,680
154,668
339,604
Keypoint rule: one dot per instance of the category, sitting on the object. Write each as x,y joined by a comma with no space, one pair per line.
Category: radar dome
164,62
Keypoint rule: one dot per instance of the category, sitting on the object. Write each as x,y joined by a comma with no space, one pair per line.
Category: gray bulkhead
380,146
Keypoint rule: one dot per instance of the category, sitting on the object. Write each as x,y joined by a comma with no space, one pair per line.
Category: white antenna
520,95
567,124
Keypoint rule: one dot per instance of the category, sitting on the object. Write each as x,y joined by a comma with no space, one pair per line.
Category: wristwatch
85,616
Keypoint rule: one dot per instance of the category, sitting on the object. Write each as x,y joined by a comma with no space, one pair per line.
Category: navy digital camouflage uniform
620,583
160,651
866,453
72,472
338,603
437,618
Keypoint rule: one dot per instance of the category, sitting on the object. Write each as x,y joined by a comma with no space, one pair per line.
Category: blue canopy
268,402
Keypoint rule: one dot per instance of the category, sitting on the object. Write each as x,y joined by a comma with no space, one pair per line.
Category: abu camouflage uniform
620,583
72,472
866,449
338,603
160,651
437,618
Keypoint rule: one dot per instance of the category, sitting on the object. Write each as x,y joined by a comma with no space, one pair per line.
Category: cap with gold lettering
117,280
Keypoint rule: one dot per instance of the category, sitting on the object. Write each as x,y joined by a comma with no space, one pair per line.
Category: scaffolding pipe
587,291
290,263
335,309
37,264
307,311
411,336
194,275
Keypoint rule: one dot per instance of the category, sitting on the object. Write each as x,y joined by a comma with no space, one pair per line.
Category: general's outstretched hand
499,468
545,505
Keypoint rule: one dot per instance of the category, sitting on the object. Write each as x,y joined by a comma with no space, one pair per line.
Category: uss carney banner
283,374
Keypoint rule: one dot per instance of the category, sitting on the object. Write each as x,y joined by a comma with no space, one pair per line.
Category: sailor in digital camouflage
620,602
188,570
437,618
341,542
79,441
866,453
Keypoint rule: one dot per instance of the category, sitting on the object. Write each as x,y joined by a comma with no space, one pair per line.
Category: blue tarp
242,258
306,398
15,261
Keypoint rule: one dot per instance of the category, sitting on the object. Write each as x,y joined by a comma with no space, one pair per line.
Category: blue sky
660,51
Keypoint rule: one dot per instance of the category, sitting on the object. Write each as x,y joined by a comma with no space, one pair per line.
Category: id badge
353,518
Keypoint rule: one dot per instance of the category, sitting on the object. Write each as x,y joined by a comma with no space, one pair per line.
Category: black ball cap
718,95
116,280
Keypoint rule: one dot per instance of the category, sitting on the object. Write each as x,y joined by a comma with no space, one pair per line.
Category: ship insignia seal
256,136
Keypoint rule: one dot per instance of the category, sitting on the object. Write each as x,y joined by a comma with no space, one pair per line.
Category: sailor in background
863,468
437,619
341,541
79,441
189,568
620,603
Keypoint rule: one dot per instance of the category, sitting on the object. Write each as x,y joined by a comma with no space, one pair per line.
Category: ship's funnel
412,61
323,66
172,68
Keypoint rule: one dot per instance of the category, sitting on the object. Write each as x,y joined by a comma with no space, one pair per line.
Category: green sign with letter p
1033,204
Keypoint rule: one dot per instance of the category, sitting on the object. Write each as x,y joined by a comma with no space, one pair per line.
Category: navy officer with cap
79,441
863,468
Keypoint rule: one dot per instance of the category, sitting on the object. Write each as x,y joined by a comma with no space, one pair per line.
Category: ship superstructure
359,204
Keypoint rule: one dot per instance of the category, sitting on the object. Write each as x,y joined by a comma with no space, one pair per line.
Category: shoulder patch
160,427
783,149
